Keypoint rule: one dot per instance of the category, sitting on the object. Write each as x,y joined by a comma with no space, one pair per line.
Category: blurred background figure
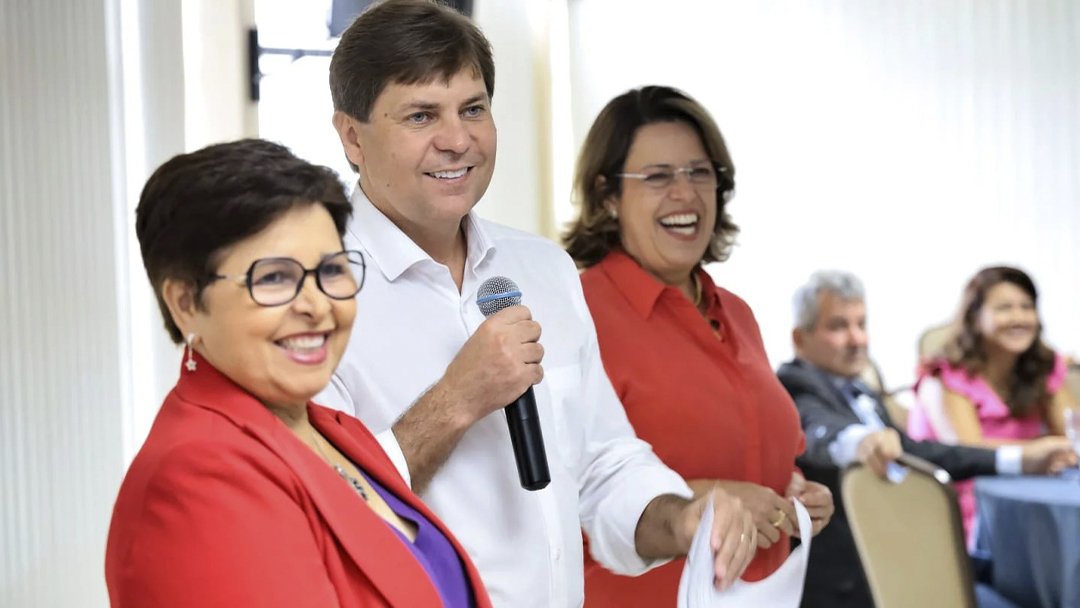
846,422
995,382
245,493
685,356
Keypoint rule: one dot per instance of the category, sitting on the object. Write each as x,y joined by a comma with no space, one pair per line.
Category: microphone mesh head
496,294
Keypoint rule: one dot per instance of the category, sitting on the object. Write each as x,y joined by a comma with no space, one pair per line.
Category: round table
1031,528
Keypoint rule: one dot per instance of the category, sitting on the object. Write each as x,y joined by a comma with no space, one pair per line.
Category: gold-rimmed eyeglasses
662,177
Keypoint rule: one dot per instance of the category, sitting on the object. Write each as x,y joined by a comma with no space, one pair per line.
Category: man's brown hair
404,42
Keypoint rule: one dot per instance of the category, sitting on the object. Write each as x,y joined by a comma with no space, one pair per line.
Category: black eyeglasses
277,281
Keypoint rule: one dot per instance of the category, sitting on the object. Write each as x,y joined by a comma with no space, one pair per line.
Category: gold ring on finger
779,519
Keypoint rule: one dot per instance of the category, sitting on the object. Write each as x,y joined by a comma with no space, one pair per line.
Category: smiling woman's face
283,354
1007,320
667,230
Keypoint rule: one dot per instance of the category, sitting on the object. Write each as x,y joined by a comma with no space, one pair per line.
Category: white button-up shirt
410,323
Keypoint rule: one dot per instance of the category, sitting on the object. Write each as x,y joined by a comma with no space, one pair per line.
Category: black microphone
526,436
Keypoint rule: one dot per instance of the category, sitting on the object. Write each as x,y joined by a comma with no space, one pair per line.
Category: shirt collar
393,251
710,293
642,290
840,382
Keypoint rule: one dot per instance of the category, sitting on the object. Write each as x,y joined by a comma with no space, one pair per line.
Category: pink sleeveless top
994,418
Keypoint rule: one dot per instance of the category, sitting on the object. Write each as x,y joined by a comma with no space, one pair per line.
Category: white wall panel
62,376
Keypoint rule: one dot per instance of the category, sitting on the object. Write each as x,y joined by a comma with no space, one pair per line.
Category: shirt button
558,554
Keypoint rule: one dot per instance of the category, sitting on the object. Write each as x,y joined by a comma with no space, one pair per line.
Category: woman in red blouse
684,355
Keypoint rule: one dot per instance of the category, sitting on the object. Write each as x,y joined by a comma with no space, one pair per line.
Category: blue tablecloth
1031,528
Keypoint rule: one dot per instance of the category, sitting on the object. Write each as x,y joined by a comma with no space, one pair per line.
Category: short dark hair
965,348
595,232
198,203
404,42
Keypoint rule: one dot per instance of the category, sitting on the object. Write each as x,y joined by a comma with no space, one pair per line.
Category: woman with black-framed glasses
277,281
246,493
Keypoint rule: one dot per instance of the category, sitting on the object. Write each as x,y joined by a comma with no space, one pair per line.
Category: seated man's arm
1047,454
833,439
966,453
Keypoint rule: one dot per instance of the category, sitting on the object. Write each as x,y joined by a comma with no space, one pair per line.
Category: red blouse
711,406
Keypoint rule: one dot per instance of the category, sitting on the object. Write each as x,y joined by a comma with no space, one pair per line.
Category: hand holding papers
783,589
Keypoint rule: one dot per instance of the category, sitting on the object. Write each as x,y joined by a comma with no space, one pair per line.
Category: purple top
434,552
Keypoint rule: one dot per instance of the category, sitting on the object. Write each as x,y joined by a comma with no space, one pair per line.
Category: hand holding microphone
494,295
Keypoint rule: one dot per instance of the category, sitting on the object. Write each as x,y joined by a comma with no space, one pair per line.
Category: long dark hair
966,350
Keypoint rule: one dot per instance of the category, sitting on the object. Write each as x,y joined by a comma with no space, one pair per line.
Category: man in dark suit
846,422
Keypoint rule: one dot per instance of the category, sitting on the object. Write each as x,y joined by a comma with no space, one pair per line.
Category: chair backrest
930,398
894,404
1072,380
933,339
871,377
910,537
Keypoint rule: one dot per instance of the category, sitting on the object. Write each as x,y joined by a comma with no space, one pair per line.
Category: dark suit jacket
224,506
834,578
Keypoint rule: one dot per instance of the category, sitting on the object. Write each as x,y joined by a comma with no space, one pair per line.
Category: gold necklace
354,482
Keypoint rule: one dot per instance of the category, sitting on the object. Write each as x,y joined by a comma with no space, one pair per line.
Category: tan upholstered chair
1072,380
871,377
910,537
932,340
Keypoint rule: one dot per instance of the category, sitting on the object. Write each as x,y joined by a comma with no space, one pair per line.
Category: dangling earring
614,213
190,364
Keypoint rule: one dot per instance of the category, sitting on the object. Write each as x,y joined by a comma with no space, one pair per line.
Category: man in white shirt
412,84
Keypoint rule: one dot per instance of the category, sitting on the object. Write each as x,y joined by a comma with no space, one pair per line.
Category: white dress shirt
410,323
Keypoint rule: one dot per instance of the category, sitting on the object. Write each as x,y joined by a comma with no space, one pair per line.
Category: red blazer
224,506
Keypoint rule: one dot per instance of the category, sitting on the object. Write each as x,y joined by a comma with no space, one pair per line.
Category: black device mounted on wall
342,13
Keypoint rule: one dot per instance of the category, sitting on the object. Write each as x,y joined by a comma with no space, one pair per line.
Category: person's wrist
685,524
455,402
1031,460
683,516
866,448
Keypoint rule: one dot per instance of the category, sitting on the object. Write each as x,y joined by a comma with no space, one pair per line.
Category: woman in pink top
1000,383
